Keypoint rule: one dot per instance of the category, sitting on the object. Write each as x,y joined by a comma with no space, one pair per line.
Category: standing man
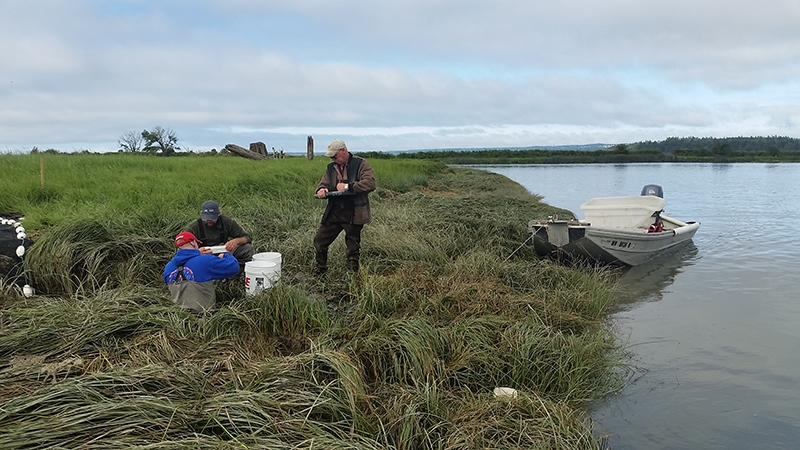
213,228
346,183
191,273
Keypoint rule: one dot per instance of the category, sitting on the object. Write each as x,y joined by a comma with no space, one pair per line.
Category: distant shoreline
611,156
772,149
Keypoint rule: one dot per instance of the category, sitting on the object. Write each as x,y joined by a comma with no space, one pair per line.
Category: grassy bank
403,355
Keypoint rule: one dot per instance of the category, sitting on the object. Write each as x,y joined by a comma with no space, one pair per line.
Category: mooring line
520,246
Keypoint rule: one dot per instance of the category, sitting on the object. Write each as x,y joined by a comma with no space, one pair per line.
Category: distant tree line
769,144
740,149
500,156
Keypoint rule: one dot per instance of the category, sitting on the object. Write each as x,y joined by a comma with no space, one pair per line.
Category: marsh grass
402,355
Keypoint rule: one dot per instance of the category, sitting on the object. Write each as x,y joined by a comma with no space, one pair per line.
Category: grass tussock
450,303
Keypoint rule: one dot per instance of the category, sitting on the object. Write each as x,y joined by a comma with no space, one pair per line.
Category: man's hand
231,245
322,193
205,250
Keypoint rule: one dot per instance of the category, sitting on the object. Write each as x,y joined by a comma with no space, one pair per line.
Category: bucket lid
260,264
266,255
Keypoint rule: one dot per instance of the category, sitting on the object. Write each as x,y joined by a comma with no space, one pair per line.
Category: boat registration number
618,244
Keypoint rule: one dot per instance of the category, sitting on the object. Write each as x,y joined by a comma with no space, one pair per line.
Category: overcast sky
396,75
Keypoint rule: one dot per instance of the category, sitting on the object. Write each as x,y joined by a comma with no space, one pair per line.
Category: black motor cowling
653,189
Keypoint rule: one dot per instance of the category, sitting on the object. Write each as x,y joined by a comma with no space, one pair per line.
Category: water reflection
646,282
721,166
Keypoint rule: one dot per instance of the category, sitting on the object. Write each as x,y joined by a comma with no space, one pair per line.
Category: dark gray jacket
354,208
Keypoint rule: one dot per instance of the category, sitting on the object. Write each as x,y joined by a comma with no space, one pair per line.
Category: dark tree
773,150
721,148
160,139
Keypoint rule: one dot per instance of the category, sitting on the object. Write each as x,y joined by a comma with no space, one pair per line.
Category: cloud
396,75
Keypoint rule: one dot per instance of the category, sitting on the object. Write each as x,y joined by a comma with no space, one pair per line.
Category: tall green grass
449,304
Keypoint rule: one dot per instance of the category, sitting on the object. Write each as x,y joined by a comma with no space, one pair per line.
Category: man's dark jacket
353,208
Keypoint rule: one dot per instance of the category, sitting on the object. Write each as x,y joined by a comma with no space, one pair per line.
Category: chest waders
346,202
223,235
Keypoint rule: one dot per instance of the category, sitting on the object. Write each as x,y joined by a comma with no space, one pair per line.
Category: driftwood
243,152
310,148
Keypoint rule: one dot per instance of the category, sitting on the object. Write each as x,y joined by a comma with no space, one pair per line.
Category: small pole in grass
41,170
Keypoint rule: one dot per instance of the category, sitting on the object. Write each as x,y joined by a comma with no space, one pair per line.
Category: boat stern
551,235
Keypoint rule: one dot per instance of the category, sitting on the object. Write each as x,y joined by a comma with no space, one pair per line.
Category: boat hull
617,246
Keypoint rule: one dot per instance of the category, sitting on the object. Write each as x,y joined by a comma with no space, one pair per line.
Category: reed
449,304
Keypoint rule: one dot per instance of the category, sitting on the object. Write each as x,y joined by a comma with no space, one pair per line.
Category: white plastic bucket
272,257
259,275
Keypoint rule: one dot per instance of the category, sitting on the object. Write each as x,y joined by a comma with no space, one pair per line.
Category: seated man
190,274
212,228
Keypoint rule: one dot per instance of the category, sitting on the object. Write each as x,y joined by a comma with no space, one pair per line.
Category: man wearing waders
213,229
191,273
346,183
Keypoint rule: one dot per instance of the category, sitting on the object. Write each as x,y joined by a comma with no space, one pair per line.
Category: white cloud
396,75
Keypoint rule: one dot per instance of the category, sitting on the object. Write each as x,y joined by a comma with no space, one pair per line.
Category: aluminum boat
626,230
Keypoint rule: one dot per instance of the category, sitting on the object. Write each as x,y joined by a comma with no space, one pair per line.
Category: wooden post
41,170
310,148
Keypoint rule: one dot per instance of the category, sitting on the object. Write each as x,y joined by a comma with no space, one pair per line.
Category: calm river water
714,328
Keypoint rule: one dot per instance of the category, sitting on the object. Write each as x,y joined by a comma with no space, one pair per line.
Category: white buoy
27,290
20,251
20,230
16,224
21,235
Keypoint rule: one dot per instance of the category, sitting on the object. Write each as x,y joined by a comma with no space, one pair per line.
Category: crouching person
191,273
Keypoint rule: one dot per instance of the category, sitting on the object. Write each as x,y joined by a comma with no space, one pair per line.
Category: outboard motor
653,189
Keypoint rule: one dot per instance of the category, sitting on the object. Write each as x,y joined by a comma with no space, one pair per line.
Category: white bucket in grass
270,256
259,275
